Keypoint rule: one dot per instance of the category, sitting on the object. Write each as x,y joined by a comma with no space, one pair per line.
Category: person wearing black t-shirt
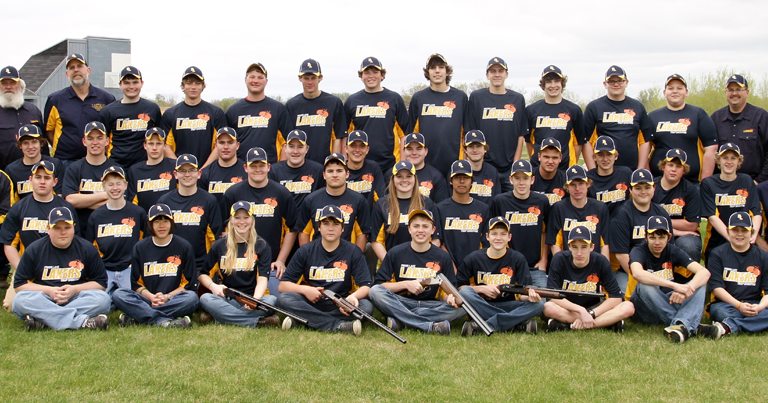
739,288
609,181
30,141
163,276
327,263
666,286
227,170
682,201
479,276
398,292
365,176
239,260
486,182
580,268
298,174
549,180
431,182
150,180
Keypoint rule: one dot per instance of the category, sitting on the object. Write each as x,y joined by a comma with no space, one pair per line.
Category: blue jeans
273,284
231,312
539,278
622,278
736,321
652,306
138,307
83,305
690,244
323,315
118,279
413,313
502,316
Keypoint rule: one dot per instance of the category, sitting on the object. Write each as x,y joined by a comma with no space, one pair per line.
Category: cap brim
29,135
113,173
362,68
610,151
623,77
552,72
152,218
258,160
520,170
329,160
579,239
742,226
651,231
193,74
331,217
492,64
637,183
186,163
130,75
551,146
675,158
43,168
52,224
301,73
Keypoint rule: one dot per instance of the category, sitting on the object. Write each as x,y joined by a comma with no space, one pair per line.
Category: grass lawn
226,363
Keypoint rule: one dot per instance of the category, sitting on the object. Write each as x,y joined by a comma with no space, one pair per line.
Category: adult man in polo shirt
14,113
68,111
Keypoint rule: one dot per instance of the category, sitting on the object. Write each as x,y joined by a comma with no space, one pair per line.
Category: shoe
394,324
31,324
556,325
4,281
206,318
351,327
125,320
178,322
271,321
470,328
618,327
97,322
529,326
677,333
442,328
287,323
714,331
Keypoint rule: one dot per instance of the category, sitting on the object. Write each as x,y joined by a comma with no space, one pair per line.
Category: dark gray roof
40,66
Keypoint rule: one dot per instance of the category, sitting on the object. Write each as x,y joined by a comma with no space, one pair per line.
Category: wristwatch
591,312
170,297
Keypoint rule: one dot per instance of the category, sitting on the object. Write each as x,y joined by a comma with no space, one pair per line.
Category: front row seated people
163,277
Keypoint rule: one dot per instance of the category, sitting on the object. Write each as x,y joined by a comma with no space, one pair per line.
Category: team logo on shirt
425,188
221,187
638,232
266,209
589,286
506,114
87,185
332,274
666,272
98,107
169,268
590,222
201,123
302,186
64,274
346,211
463,225
626,118
558,123
679,127
748,277
484,189
676,208
155,185
23,187
414,272
192,217
316,120
379,111
613,196
34,224
363,186
556,195
737,200
490,278
524,219
260,121
240,264
133,124
403,219
441,111
122,230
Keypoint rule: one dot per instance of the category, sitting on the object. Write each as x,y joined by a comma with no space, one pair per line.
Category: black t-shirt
368,181
126,125
50,266
216,179
342,270
463,227
381,219
322,118
681,202
671,265
553,188
6,195
739,273
563,121
148,183
115,232
83,178
402,263
19,173
264,124
502,118
197,218
243,278
596,276
383,116
626,122
564,216
440,117
722,198
486,183
613,189
299,181
432,183
628,226
689,129
163,268
192,129
27,221
356,211
527,219
480,269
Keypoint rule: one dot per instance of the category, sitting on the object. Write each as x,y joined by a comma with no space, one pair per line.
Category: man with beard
14,113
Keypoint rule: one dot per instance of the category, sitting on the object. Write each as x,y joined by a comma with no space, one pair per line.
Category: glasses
732,90
615,82
186,171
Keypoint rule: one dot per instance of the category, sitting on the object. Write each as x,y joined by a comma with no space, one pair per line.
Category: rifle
448,288
255,303
358,313
550,293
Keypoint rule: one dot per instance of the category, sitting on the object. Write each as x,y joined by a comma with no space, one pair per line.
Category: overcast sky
649,39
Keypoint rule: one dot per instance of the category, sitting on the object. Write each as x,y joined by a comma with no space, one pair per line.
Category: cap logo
578,230
369,60
495,60
605,142
521,164
309,64
8,71
613,69
185,158
658,221
461,165
73,55
128,68
193,70
58,212
551,67
642,175
739,216
734,77
574,170
26,129
677,151
331,209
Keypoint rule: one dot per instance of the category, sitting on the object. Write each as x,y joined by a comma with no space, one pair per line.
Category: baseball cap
193,71
28,130
580,233
641,176
676,77
499,61
414,137
738,79
310,66
677,153
551,142
228,131
407,165
552,69
241,205
523,166
256,154
436,56
474,136
357,135
740,219
335,157
46,165
370,62
418,211
729,146
256,66
657,223
605,143
331,211
575,172
296,135
76,56
113,170
10,72
498,221
158,210
95,125
615,71
130,71
461,167
155,130
60,214
186,159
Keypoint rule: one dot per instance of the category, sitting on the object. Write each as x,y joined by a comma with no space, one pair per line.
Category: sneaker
125,320
618,327
394,324
469,328
351,327
677,333
714,331
271,321
184,322
529,326
556,325
31,324
442,328
97,322
206,318
287,323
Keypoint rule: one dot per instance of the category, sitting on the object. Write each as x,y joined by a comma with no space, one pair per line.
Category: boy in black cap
737,284
30,141
431,182
555,117
665,285
227,170
320,114
380,112
329,263
486,182
365,176
191,124
60,281
127,120
609,181
150,180
549,180
260,121
580,268
527,213
298,174
483,270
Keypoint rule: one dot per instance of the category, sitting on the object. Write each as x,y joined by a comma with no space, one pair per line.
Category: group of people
283,202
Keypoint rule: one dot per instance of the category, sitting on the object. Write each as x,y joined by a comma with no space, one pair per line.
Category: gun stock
254,303
448,288
359,313
550,293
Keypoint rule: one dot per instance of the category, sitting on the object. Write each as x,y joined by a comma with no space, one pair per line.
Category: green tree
407,93
652,98
225,103
342,95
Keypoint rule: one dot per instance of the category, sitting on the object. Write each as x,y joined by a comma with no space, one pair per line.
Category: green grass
226,363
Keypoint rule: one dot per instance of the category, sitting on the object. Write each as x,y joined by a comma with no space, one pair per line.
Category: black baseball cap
551,142
335,157
738,79
331,211
615,71
605,143
498,221
28,130
10,73
370,62
228,131
436,56
552,69
676,77
158,210
95,125
186,159
193,71
461,167
130,71
296,135
310,66
357,135
657,223
241,205
580,233
403,165
418,211
499,61
155,130
740,219
46,165
677,153
60,214
729,146
641,176
523,166
575,172
113,170
256,66
256,154
474,136
75,56
414,137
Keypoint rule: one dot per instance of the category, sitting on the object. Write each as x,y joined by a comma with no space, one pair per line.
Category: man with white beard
14,113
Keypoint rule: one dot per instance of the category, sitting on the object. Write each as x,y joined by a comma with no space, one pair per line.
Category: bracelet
141,289
739,306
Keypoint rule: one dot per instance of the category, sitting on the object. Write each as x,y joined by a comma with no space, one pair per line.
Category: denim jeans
140,308
230,312
323,315
413,313
273,284
118,279
502,316
736,321
690,244
83,305
652,306
539,278
622,278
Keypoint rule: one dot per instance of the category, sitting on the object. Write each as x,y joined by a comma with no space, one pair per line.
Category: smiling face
404,183
642,194
357,151
78,73
258,173
30,146
475,152
553,86
616,86
161,227
187,175
242,222
437,74
421,229
96,143
115,186
675,93
739,237
297,152
131,87
497,75
192,87
372,78
736,96
522,184
415,154
255,82
729,162
499,237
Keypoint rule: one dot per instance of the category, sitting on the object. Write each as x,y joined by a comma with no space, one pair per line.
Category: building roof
40,66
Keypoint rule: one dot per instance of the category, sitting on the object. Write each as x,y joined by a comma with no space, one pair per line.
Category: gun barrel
259,304
448,287
359,313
